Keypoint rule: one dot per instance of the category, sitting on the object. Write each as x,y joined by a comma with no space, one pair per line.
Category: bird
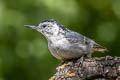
65,44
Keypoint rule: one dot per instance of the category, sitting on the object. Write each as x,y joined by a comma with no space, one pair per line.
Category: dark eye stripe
44,26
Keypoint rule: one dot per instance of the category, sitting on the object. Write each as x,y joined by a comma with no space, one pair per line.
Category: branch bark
105,68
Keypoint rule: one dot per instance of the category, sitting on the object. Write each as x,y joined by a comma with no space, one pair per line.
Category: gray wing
79,41
75,37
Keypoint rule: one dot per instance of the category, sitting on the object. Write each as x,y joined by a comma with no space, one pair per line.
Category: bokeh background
24,54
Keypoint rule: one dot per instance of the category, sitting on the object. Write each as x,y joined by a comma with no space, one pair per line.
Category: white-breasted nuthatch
65,44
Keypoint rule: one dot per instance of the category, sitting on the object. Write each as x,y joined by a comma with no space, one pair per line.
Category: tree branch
105,68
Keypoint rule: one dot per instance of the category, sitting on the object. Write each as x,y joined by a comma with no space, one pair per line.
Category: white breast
60,42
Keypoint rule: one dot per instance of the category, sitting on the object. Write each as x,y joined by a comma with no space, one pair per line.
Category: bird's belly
55,53
63,54
63,50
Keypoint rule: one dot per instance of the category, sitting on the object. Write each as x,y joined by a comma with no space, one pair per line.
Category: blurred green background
23,52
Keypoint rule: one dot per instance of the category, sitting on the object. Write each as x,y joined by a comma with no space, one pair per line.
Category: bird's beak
30,26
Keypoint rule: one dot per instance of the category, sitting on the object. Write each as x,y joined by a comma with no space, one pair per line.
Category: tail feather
99,48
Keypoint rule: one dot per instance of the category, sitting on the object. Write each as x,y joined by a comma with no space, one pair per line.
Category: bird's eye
44,26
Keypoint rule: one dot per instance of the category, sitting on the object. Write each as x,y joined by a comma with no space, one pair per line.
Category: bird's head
48,27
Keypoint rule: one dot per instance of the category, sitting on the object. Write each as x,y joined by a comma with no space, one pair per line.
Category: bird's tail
99,48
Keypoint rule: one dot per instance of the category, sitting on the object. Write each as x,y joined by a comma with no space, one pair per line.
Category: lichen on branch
105,68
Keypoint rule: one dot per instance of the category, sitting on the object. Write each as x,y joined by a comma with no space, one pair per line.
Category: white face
48,28
51,29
